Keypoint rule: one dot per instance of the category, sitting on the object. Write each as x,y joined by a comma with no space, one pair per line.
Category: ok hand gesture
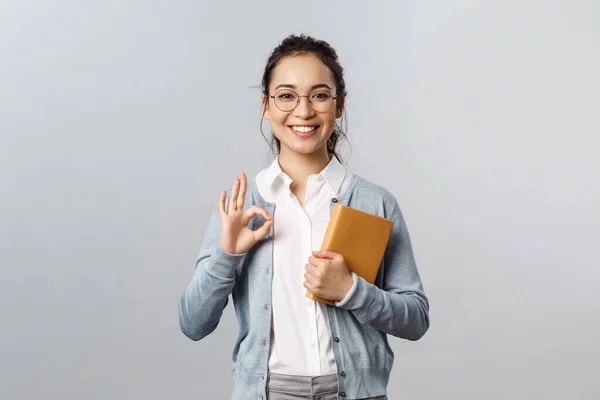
236,237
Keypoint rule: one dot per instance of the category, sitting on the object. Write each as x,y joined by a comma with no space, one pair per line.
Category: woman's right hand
236,237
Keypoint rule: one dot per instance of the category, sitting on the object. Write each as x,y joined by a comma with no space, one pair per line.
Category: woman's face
302,130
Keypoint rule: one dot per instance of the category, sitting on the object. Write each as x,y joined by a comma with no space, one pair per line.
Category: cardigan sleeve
400,308
206,296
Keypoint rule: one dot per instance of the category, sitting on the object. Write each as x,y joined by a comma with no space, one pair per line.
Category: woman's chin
306,148
302,145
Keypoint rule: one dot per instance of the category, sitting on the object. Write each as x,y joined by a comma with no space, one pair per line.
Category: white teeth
304,129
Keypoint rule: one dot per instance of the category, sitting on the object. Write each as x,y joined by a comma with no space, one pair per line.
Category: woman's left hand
327,275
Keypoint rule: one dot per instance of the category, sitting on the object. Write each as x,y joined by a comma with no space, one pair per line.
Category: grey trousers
291,387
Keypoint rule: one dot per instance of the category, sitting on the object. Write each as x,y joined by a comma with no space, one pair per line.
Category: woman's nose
303,109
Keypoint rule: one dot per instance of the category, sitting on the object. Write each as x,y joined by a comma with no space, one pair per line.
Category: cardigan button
337,339
334,200
343,394
343,374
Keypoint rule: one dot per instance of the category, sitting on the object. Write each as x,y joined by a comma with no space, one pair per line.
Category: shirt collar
333,173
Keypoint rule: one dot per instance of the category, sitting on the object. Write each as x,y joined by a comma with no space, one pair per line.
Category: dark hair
303,44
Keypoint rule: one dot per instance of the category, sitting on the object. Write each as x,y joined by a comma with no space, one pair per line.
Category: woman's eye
286,96
321,96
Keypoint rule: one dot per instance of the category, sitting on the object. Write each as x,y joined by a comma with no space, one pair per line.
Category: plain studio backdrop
121,121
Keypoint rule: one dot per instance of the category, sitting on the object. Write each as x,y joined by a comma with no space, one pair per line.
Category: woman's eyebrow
317,86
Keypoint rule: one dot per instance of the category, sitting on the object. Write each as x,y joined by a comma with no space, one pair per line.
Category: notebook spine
331,227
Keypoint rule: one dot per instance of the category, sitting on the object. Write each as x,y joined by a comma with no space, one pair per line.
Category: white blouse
300,335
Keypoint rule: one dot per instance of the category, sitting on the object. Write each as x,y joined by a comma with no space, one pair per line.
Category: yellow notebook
360,237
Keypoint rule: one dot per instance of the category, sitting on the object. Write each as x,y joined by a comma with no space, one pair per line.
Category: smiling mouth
303,128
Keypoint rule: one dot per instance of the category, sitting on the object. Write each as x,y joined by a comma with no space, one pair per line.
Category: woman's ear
265,107
339,106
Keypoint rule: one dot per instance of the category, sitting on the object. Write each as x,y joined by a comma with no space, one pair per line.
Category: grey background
121,121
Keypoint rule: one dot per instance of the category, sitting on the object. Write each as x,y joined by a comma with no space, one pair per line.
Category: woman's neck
300,166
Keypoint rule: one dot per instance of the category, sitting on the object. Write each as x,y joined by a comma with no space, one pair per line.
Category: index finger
242,193
311,269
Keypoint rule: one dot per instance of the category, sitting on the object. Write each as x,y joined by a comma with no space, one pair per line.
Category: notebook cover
360,237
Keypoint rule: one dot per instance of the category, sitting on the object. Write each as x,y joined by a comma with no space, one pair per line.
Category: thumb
324,253
263,230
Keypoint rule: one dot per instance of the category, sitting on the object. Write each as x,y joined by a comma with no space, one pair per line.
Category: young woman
262,247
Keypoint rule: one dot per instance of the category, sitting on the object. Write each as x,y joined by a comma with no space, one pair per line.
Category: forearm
403,314
203,302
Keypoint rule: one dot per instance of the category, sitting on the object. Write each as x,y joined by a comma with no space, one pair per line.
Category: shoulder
372,197
369,190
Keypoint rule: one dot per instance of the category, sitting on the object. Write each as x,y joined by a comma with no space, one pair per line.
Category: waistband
303,385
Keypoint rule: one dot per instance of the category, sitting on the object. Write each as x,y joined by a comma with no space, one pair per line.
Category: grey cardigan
396,304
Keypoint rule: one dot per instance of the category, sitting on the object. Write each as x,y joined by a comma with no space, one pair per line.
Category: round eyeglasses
287,99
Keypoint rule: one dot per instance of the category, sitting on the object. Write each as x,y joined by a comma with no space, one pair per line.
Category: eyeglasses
287,99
